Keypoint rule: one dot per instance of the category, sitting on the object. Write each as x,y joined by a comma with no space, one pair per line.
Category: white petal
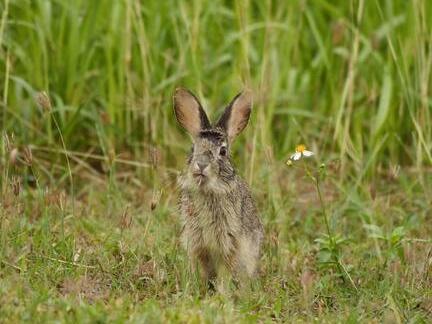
308,153
296,156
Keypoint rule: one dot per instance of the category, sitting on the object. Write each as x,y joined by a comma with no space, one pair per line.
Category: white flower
301,151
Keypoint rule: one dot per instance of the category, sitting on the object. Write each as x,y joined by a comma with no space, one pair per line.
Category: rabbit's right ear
189,112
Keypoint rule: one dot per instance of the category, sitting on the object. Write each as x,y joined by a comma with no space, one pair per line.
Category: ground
114,254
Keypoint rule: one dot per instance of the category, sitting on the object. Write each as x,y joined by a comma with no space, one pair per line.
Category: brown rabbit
219,217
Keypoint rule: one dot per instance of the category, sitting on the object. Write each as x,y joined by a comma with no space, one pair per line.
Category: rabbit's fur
219,217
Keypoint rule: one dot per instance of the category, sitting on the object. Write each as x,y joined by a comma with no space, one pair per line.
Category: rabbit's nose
202,165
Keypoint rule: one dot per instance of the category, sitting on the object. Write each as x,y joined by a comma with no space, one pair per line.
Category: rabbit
220,223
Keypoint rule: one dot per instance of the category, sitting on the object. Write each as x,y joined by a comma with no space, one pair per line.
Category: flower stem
69,174
323,208
341,267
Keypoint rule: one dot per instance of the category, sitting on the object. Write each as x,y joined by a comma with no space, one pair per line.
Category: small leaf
324,256
384,104
374,231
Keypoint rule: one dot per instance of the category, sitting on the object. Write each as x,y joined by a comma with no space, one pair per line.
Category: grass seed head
16,186
8,141
44,101
155,199
28,156
13,156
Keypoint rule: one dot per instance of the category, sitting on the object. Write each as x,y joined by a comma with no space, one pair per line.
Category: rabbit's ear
189,112
236,115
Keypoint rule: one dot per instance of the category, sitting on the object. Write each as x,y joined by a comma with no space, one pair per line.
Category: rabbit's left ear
236,115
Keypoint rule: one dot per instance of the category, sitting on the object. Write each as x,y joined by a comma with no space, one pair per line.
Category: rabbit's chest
217,224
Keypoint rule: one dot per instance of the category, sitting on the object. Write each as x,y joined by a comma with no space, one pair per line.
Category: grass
88,220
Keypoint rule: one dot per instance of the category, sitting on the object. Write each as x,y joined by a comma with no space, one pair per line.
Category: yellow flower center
300,148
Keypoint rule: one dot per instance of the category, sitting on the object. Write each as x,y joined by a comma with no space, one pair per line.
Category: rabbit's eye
223,151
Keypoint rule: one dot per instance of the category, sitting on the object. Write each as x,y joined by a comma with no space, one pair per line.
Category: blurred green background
350,79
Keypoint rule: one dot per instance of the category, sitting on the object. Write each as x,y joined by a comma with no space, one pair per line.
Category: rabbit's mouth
200,177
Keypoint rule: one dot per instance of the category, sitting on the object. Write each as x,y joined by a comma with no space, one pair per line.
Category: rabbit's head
209,166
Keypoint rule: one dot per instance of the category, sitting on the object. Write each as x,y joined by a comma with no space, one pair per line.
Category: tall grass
350,78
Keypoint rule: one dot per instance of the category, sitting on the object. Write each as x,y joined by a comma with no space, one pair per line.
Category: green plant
393,239
330,243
